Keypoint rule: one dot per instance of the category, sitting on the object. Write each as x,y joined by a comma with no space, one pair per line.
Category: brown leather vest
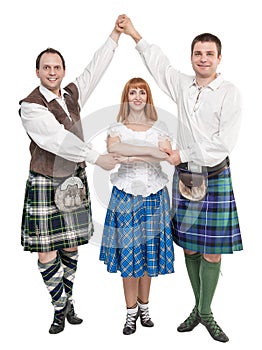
47,163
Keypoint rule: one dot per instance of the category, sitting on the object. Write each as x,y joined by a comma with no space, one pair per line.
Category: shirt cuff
111,43
90,155
184,155
142,45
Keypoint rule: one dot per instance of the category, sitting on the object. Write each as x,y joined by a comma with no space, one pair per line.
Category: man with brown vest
57,214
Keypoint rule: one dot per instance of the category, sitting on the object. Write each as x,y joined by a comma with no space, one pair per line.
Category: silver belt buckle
194,168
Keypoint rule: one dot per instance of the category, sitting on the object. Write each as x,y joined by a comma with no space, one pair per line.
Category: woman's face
137,99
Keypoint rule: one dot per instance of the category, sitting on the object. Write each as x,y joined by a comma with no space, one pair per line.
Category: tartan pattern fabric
137,235
69,262
52,274
210,226
44,228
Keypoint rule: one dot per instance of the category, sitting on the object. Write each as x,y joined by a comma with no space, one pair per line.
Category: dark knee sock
69,262
209,275
52,274
193,266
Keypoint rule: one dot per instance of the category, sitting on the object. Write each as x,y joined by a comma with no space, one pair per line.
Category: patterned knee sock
209,275
52,273
69,261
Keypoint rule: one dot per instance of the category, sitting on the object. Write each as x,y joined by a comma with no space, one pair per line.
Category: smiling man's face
51,72
205,60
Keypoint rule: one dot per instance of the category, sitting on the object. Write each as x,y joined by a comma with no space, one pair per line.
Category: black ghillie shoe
190,323
213,328
58,324
130,325
71,315
144,317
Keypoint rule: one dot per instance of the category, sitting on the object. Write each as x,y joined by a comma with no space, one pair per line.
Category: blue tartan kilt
44,228
137,235
210,226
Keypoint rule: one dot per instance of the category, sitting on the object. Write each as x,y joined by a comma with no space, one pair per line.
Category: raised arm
157,63
94,71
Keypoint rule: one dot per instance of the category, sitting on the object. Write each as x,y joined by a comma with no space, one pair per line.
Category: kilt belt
211,171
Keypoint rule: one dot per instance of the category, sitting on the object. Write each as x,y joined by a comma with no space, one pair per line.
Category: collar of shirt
49,95
215,84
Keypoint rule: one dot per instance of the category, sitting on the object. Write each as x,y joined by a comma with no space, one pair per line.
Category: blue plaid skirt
209,226
44,228
137,235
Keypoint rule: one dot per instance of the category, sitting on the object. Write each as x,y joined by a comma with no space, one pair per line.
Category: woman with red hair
137,238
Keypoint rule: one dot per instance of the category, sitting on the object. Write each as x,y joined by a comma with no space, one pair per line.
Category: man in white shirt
51,117
208,124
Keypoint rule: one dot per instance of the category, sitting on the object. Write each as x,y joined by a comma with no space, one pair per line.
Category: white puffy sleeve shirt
47,132
208,119
140,178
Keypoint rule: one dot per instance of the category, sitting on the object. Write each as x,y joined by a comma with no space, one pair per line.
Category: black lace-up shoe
71,316
58,324
130,325
190,323
213,328
144,317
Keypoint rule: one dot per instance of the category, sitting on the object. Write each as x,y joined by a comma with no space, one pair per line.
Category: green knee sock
193,265
209,274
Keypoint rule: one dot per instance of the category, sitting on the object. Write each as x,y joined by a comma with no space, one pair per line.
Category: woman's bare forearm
128,150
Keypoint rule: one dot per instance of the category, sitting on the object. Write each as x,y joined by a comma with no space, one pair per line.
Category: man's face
205,60
51,72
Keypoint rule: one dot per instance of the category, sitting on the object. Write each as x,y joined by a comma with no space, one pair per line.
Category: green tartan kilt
44,228
210,226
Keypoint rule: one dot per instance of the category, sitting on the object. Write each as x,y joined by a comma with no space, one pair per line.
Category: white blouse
140,178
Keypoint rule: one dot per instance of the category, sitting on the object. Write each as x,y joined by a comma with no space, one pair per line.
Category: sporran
192,186
70,194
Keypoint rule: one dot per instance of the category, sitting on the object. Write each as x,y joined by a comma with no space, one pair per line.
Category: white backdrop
77,29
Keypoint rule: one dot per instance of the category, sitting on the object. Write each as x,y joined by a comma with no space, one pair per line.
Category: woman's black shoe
144,317
130,325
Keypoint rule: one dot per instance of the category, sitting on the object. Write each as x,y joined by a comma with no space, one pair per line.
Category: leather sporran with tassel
192,186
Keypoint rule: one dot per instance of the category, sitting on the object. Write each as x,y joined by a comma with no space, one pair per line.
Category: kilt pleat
210,226
44,228
137,235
